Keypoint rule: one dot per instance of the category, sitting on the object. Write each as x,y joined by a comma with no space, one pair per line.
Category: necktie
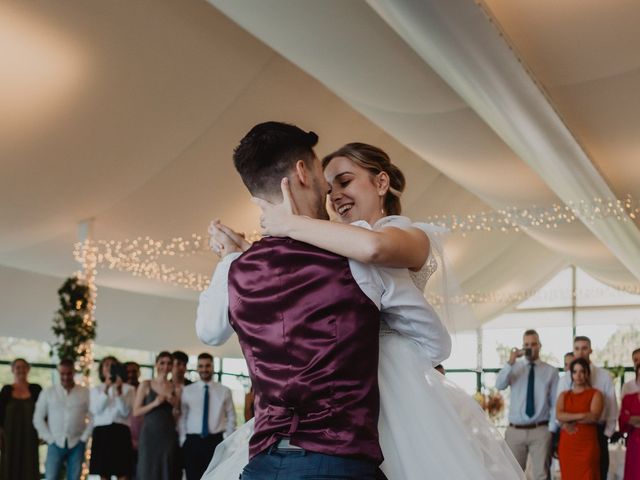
530,407
205,412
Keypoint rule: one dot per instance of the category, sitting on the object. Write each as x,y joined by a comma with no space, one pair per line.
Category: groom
307,321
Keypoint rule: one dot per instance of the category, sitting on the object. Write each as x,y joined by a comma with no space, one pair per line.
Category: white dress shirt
600,380
544,391
632,386
111,408
222,414
62,415
402,305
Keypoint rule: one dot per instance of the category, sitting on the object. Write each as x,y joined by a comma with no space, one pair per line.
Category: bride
428,427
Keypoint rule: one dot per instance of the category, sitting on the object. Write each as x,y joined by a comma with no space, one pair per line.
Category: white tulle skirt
429,427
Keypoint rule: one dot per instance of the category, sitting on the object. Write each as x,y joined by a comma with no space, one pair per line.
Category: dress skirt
430,429
111,451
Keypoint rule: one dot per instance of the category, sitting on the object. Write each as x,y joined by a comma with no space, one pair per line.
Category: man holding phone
532,410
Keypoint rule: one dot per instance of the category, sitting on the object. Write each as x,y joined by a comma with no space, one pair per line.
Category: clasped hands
274,221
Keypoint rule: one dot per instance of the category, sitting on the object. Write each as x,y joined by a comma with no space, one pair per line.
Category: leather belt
529,426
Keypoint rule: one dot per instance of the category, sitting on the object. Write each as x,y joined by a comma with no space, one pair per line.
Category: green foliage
618,348
69,325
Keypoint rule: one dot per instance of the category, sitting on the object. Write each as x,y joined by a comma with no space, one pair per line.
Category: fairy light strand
87,255
517,219
146,257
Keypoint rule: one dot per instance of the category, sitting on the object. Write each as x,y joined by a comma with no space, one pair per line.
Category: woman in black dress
18,437
158,400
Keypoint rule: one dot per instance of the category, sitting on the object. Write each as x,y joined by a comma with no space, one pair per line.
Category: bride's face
354,194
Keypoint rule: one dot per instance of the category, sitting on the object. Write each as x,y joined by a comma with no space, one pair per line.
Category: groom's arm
212,321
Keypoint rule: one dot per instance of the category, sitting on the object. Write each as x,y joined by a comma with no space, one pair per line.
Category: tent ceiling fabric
138,130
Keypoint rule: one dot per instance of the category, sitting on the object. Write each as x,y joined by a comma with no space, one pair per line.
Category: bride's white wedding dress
429,427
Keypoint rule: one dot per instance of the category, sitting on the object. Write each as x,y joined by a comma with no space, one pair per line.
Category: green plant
71,324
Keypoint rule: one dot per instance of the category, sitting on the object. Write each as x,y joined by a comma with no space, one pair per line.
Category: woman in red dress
630,424
578,410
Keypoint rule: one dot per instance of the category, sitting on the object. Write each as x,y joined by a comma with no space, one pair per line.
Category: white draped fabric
483,105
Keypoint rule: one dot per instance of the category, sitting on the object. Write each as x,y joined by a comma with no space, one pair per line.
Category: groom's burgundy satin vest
310,337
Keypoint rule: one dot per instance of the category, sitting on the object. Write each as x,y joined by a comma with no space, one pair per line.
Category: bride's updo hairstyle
375,160
268,153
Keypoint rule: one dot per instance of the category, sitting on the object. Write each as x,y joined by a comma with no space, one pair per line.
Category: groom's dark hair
269,152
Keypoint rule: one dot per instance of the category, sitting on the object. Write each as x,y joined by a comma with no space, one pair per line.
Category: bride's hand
224,240
276,217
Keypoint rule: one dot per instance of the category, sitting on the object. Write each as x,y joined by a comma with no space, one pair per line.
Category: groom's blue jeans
279,464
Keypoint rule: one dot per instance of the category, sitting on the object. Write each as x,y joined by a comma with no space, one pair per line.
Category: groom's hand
277,218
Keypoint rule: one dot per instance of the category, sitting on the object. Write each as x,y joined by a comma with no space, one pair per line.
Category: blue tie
530,408
205,413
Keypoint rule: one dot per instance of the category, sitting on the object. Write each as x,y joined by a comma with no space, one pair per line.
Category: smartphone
117,370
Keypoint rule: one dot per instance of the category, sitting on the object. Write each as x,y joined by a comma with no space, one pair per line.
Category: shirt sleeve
407,312
212,320
503,379
230,414
611,405
553,397
182,421
87,429
124,402
98,400
39,419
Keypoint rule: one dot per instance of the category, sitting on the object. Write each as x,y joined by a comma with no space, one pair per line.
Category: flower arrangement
491,402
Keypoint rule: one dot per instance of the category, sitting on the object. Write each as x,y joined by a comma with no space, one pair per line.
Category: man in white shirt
633,385
601,380
207,416
533,394
61,418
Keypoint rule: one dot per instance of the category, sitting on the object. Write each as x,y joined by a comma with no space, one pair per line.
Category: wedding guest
207,416
180,361
533,392
159,401
110,405
633,385
62,420
630,424
132,370
579,409
601,380
18,437
568,358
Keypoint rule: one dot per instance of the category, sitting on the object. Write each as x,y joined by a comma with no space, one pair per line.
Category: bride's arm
389,247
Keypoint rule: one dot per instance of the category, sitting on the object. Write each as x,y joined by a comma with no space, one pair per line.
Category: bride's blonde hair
375,160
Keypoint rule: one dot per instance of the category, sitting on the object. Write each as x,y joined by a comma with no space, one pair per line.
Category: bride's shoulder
398,221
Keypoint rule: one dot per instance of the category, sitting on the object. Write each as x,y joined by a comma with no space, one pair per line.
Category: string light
506,298
142,256
87,255
516,219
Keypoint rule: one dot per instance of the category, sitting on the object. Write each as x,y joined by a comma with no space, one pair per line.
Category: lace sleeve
421,277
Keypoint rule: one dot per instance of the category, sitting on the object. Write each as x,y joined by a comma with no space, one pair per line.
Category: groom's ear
301,172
